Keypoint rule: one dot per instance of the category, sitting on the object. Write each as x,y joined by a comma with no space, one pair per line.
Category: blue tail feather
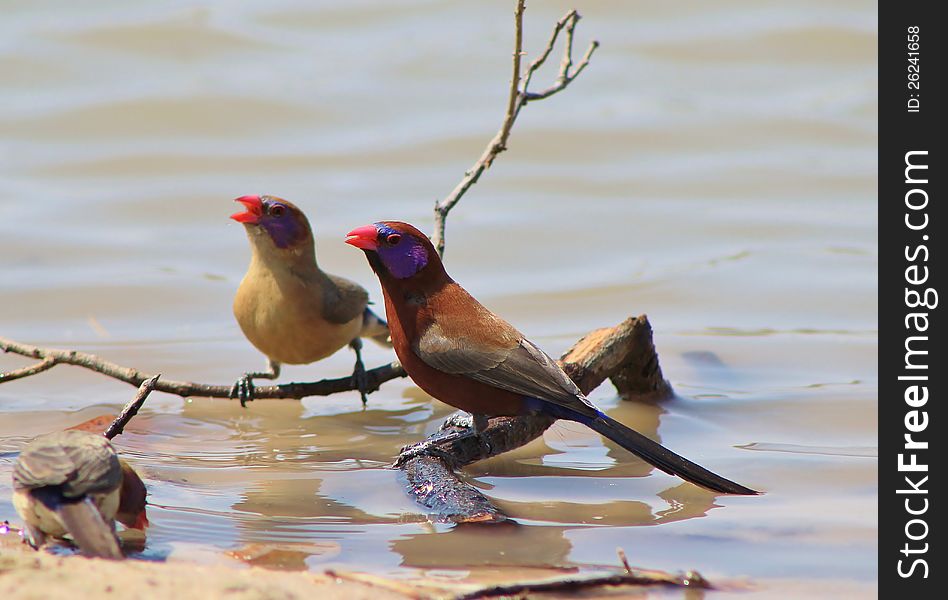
648,450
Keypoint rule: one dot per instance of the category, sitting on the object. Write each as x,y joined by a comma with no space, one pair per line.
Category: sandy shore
25,573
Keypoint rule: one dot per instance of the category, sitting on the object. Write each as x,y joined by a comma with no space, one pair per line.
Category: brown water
714,167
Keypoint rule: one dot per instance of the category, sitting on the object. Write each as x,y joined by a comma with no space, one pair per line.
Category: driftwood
624,353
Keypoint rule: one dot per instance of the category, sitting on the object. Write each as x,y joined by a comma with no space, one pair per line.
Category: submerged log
624,353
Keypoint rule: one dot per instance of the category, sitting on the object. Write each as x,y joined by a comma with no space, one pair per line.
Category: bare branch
517,98
45,364
513,96
565,78
569,18
375,377
577,585
572,585
131,409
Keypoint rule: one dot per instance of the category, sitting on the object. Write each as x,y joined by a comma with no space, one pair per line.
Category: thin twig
630,576
564,79
131,409
54,356
517,98
634,577
46,364
513,95
624,560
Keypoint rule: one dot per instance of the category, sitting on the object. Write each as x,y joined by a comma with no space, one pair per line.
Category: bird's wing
343,300
522,368
86,525
42,464
375,328
78,461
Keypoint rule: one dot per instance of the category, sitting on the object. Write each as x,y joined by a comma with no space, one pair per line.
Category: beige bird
70,482
289,308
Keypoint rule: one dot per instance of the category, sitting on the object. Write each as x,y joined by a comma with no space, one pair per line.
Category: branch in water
131,409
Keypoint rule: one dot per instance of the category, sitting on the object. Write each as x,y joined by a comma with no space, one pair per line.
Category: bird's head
274,224
396,249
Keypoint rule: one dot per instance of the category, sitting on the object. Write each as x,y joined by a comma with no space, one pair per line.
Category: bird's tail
92,534
375,328
654,453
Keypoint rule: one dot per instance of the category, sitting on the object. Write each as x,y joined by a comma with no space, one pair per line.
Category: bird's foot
430,448
360,380
434,446
243,390
458,419
486,448
473,425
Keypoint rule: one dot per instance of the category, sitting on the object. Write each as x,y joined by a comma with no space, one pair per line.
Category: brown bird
463,354
132,502
70,482
289,308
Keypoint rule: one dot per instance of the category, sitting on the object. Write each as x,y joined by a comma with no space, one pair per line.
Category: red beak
254,210
365,237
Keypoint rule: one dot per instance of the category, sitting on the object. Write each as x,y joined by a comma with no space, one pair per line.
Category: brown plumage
287,306
132,509
69,482
132,499
463,354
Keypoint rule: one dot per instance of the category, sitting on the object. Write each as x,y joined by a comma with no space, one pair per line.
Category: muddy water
714,168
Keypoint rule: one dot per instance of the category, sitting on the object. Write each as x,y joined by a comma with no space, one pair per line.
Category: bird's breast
282,318
49,522
406,323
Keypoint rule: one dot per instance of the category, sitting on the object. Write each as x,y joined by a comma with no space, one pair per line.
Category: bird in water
287,306
461,353
71,482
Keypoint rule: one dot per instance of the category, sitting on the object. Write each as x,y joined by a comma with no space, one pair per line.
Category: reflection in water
285,557
865,451
287,491
475,546
682,505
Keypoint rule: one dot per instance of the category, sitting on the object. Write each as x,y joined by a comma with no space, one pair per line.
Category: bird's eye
277,210
392,239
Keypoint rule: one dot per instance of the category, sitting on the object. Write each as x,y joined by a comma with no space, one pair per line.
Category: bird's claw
243,390
472,425
458,419
434,446
361,382
427,448
486,448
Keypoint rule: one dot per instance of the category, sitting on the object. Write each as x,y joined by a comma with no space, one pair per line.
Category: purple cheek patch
404,261
284,232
